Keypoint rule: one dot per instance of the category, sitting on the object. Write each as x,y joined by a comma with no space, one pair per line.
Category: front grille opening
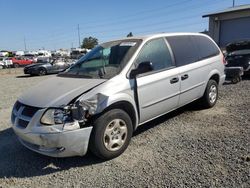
18,105
13,117
23,123
29,111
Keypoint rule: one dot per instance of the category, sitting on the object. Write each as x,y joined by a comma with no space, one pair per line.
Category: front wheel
16,65
111,134
211,94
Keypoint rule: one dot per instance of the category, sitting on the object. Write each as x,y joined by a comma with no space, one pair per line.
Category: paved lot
186,148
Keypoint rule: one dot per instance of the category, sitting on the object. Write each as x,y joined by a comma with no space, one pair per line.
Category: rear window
206,47
184,49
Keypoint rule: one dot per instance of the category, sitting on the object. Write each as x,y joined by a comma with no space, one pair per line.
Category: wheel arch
128,108
215,77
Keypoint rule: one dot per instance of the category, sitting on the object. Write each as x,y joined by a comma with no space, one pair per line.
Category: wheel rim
212,94
42,72
115,135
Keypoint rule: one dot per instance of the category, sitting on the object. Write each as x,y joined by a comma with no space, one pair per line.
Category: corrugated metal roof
231,9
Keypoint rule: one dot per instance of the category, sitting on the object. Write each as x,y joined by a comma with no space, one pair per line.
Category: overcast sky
52,24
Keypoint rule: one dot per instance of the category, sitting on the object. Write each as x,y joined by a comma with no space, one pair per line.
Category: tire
236,79
210,96
16,65
111,134
42,72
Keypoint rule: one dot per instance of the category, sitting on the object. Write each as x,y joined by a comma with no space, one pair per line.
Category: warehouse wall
220,25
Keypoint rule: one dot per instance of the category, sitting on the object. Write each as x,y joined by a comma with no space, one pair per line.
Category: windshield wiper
66,74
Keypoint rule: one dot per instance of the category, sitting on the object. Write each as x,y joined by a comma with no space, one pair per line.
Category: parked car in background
4,53
5,62
2,66
21,61
77,53
46,67
238,55
32,57
101,100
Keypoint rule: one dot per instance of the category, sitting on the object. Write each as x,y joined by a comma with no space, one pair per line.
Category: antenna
24,40
78,28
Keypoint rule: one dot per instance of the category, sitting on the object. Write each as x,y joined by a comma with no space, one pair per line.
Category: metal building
230,25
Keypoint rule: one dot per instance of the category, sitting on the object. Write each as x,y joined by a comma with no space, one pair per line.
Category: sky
53,24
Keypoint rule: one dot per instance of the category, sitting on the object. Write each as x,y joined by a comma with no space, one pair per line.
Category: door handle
184,77
174,80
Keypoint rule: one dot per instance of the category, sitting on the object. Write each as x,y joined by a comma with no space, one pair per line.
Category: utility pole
78,28
233,3
24,40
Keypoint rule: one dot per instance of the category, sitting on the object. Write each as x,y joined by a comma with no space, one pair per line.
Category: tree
89,42
130,34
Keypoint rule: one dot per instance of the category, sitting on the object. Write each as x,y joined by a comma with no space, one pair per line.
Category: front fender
121,97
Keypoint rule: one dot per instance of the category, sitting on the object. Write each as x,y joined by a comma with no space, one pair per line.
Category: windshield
104,61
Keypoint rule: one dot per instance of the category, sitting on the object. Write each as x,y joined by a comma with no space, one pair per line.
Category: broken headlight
54,116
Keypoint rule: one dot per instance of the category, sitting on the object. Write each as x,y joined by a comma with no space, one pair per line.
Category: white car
5,62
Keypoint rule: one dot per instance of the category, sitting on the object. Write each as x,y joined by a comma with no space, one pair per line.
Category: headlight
54,116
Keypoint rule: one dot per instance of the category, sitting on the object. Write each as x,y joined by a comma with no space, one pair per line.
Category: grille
23,123
18,105
13,117
23,113
29,111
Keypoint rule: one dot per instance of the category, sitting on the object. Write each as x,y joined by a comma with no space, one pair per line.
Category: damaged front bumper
55,141
61,144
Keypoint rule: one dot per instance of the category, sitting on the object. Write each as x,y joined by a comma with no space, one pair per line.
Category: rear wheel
42,72
16,65
111,134
236,79
211,94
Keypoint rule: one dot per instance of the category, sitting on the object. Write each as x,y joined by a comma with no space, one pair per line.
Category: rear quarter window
206,47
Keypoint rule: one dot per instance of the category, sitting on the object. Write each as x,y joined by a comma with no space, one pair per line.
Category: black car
238,55
46,67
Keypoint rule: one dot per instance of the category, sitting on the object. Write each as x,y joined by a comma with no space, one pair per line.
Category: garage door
234,30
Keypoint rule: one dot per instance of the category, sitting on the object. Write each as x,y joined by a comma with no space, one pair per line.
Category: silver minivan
99,102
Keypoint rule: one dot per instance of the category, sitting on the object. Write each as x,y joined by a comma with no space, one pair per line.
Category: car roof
152,36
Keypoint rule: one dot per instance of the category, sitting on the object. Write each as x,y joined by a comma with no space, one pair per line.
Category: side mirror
143,67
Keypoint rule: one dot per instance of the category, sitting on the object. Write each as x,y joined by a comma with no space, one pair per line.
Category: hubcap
115,135
212,94
42,72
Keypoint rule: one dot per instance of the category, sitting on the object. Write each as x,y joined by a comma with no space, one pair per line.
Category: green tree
130,34
89,42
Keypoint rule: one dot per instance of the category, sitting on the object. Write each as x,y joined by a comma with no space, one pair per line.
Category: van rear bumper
222,79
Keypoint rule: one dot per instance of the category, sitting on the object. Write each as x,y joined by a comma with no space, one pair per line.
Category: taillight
224,60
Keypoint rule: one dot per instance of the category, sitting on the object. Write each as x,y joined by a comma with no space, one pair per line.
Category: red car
20,61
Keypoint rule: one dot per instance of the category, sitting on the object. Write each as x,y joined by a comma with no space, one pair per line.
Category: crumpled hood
57,91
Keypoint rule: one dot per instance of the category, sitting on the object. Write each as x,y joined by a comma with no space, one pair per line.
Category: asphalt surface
190,147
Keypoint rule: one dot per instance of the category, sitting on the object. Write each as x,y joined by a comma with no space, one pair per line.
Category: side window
206,47
157,52
184,49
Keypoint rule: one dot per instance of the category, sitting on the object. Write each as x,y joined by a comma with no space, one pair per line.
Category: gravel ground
189,147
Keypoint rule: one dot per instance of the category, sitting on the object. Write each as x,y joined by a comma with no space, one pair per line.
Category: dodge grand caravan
99,102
